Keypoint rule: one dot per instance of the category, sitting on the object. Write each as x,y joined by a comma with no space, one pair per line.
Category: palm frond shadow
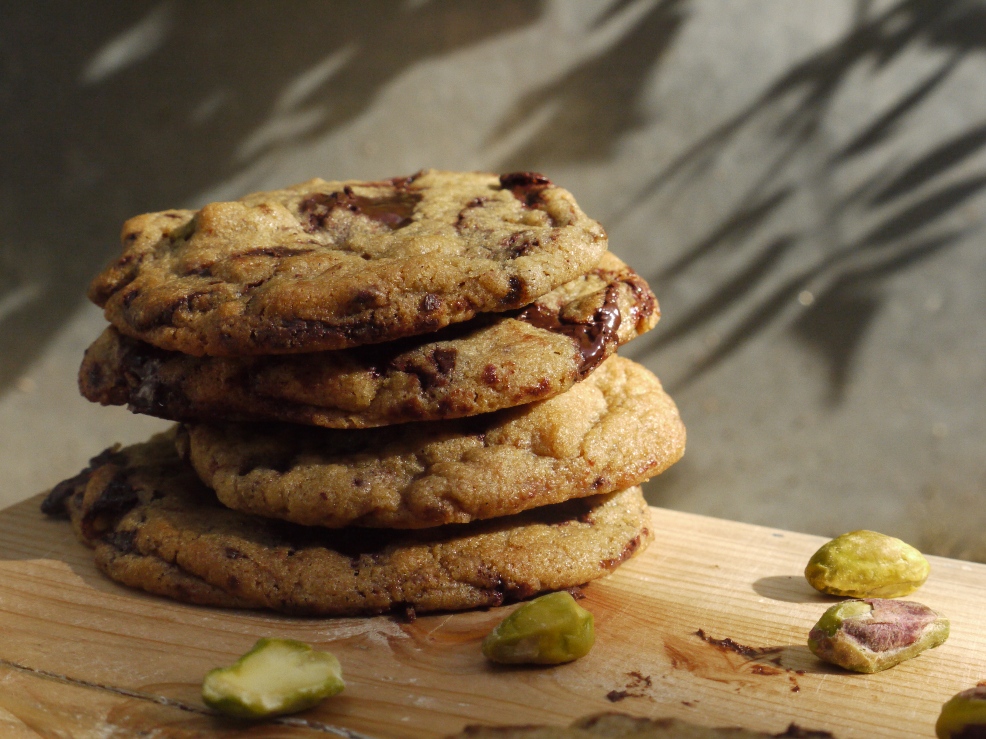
219,91
584,113
836,326
914,201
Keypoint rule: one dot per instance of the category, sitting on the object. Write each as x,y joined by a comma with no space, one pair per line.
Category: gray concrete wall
803,183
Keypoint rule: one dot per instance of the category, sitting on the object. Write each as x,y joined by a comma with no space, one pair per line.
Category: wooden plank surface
83,657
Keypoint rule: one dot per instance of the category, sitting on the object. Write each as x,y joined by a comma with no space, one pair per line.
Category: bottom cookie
154,526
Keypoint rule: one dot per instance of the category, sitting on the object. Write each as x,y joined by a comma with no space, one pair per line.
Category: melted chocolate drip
592,339
645,303
113,502
393,210
54,503
527,187
514,180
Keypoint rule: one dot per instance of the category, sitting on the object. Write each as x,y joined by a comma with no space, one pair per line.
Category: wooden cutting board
83,657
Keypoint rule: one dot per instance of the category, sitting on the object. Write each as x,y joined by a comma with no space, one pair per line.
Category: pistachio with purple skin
964,715
875,633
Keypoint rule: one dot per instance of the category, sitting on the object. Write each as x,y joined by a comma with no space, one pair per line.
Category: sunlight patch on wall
287,121
133,45
18,298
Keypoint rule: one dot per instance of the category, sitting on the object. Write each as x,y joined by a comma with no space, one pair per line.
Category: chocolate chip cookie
154,526
615,429
328,265
491,362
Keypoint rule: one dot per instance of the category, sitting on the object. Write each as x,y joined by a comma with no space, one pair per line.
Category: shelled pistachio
867,564
548,630
873,634
964,715
277,676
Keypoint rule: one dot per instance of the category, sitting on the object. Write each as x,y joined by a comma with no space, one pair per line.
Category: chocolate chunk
194,302
490,376
54,502
277,252
394,210
430,303
124,541
118,497
444,360
514,180
519,244
593,339
527,187
515,291
628,551
366,298
434,372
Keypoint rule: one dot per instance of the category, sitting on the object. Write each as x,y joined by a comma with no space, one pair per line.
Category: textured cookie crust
154,526
615,429
494,361
622,726
327,265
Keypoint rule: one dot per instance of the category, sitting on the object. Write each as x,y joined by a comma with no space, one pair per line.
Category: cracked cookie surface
154,526
328,265
494,361
614,429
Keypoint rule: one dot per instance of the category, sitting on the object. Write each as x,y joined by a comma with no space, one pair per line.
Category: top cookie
328,265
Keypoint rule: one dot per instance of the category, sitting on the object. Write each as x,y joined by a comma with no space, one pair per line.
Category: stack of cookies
392,395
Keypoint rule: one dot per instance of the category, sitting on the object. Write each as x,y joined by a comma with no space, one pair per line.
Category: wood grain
83,657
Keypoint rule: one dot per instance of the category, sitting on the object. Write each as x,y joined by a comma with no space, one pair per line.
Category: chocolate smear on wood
636,687
728,645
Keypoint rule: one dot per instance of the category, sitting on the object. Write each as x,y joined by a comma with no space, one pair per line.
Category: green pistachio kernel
867,564
964,715
277,676
833,618
546,631
873,634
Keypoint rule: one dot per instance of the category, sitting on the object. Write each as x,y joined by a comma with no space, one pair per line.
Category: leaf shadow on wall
900,214
909,201
586,111
123,108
